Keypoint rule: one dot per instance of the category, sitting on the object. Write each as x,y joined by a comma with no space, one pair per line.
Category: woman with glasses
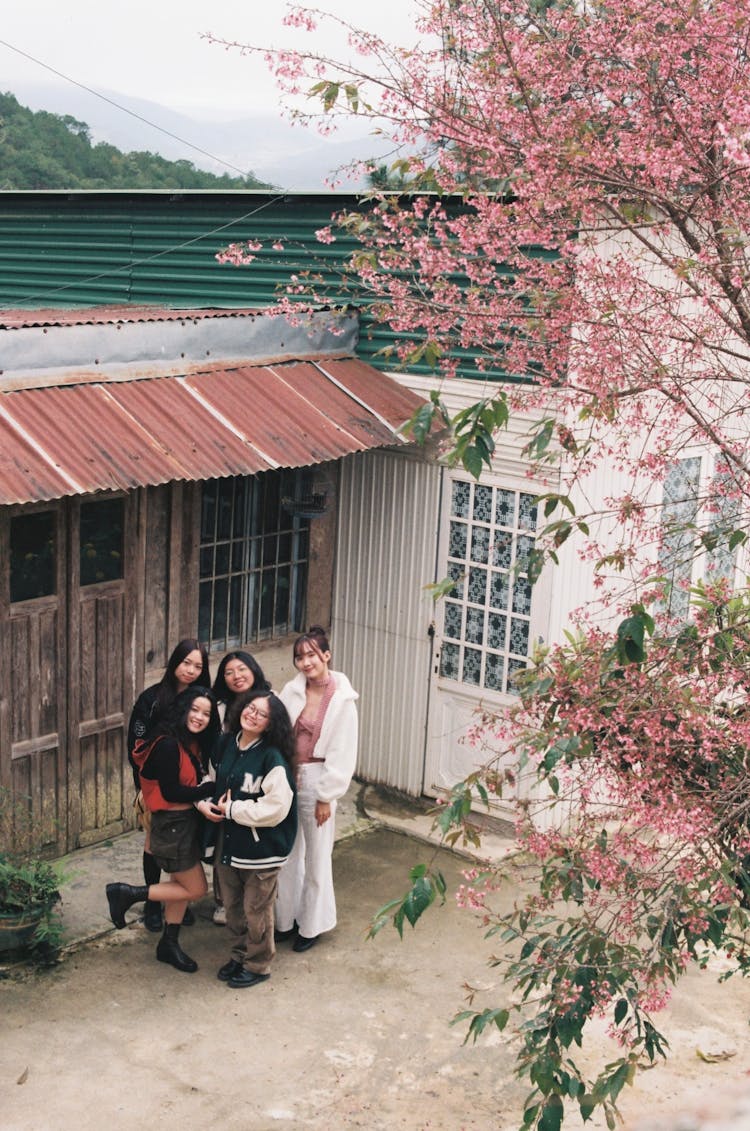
322,707
254,795
238,672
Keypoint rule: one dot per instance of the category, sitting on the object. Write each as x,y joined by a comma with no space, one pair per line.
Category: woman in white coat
322,707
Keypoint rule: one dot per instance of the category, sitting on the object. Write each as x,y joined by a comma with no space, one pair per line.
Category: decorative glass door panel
487,615
487,624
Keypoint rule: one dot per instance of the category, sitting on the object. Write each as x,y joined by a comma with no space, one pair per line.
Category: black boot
169,950
122,896
151,870
152,919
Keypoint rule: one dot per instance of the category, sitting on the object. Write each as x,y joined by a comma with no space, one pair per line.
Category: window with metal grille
253,558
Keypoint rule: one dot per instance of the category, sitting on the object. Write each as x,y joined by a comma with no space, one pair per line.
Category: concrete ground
352,1034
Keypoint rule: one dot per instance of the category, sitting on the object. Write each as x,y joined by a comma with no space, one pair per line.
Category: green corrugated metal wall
91,248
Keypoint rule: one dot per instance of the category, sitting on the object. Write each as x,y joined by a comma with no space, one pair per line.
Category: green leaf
539,443
480,1021
534,565
562,531
420,423
529,1114
552,1115
472,461
352,96
382,917
630,635
587,1104
621,1010
418,900
442,588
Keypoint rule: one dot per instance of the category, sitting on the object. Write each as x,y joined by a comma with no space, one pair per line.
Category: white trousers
306,881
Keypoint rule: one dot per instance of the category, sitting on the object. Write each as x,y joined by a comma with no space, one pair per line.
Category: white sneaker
220,915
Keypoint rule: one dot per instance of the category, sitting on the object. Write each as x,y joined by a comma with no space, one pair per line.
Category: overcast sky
153,48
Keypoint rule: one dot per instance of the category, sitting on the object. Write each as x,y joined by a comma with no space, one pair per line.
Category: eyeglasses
253,710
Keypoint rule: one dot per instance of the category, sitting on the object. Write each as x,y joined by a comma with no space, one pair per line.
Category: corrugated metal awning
77,439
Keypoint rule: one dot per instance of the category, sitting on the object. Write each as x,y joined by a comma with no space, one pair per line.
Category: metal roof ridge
35,447
288,384
223,420
363,404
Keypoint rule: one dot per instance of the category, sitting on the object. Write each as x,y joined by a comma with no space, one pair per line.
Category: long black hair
220,689
174,721
278,733
168,683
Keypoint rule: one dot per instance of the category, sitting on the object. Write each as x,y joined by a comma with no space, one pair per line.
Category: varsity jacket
337,745
261,823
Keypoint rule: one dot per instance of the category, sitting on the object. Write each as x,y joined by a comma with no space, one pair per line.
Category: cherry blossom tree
575,221
579,176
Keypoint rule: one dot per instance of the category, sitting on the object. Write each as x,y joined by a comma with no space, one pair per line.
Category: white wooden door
487,625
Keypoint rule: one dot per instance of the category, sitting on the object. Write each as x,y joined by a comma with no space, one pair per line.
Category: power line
117,106
51,292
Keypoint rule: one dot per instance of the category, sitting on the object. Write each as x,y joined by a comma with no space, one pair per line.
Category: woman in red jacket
172,764
187,665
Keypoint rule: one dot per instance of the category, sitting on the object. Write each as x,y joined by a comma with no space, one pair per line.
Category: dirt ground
352,1034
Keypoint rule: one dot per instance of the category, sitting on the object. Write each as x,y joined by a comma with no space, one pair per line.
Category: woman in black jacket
172,761
237,673
255,794
187,665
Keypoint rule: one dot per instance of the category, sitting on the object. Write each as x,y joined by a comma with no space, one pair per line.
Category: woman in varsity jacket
256,796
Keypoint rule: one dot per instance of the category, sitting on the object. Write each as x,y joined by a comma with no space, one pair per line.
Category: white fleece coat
338,736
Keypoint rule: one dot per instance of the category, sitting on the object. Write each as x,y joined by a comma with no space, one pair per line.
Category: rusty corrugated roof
77,439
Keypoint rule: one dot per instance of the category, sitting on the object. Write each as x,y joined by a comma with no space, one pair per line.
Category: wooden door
101,644
33,700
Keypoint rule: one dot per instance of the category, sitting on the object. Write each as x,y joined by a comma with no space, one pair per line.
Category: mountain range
282,153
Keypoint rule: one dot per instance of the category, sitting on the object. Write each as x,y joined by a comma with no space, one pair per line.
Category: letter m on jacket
252,784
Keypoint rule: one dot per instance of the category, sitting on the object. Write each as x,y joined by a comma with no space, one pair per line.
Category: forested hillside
39,150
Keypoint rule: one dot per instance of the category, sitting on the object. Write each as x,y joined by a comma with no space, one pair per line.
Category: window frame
251,541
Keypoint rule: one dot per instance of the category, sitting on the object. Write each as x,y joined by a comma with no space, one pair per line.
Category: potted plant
28,898
29,895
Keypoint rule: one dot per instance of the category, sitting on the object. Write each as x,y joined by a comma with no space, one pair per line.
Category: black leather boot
169,950
152,919
122,896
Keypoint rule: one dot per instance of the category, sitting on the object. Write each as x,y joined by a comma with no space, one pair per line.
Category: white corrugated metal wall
388,513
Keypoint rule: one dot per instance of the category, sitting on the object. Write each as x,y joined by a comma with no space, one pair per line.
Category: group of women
255,796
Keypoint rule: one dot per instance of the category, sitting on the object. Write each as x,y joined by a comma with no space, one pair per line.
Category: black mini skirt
175,839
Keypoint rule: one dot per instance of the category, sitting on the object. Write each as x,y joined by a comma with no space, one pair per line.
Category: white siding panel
388,514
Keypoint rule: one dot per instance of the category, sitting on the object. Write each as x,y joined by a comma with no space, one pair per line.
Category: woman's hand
210,810
224,802
322,812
